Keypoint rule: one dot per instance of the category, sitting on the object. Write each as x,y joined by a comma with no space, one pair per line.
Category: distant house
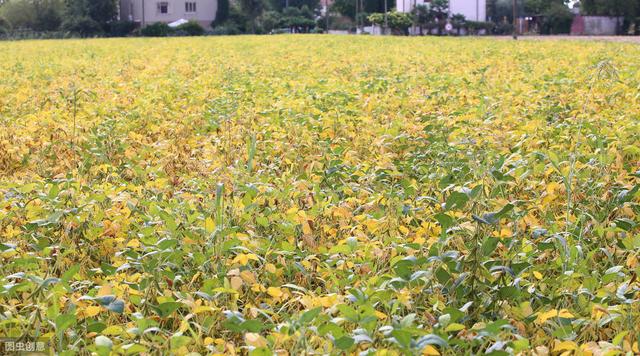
145,12
473,10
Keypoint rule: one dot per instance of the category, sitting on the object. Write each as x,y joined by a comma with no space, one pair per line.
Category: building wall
408,5
601,25
473,10
133,10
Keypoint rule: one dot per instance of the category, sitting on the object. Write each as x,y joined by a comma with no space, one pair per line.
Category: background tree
501,11
348,7
102,11
271,20
345,8
280,5
440,8
89,17
252,9
5,26
222,14
556,18
37,15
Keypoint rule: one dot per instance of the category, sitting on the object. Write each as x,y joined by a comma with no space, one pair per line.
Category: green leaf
445,221
489,245
66,277
165,309
442,275
178,341
65,321
402,337
134,349
261,351
344,343
348,312
309,315
456,200
253,325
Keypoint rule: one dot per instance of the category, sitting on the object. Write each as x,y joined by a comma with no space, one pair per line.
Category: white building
473,10
145,12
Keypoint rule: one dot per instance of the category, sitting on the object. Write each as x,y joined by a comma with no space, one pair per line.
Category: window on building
190,6
163,7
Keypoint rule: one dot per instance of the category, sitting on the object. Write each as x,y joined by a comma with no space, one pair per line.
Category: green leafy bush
121,28
191,28
399,22
225,30
82,26
158,29
557,19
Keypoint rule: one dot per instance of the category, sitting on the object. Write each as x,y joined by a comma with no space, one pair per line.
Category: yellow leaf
184,325
564,313
275,292
113,330
371,224
454,327
203,309
92,311
306,229
243,258
380,315
341,212
209,225
430,351
565,346
542,317
270,267
537,274
105,290
135,243
248,277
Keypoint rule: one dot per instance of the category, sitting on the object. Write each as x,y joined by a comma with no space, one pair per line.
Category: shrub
226,30
121,28
5,24
191,28
158,29
503,28
271,20
399,22
557,19
83,26
476,26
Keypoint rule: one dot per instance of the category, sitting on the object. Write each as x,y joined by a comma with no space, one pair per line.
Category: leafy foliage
158,29
191,28
398,21
320,194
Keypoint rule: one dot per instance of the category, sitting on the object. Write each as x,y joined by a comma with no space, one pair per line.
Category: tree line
100,17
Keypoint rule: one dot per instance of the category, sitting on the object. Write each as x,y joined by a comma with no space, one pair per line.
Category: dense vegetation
92,18
449,196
